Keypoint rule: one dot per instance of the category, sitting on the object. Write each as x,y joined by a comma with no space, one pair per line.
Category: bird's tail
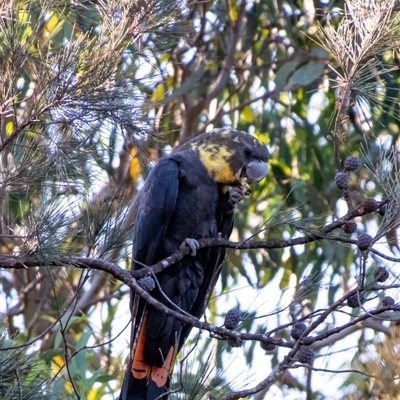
143,381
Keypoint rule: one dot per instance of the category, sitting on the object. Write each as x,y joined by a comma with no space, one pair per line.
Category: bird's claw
235,196
193,244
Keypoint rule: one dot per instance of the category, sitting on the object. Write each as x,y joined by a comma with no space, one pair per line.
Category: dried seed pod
297,330
387,301
267,346
356,300
381,274
341,180
364,241
307,340
147,283
351,163
305,355
349,227
370,205
232,319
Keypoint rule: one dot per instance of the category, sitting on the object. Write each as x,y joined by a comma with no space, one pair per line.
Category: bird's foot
235,196
193,245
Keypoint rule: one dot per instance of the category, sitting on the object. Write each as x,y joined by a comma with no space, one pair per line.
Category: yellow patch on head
215,158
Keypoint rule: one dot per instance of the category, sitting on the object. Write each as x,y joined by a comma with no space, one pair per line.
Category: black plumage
186,195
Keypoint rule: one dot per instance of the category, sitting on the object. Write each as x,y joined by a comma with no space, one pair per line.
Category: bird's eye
247,152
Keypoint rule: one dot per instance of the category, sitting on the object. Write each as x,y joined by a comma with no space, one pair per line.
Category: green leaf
83,340
283,74
284,283
58,339
305,75
105,378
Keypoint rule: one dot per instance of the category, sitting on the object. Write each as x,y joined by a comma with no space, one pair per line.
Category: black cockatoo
190,194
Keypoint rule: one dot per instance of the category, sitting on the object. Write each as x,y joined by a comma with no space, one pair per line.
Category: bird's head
231,157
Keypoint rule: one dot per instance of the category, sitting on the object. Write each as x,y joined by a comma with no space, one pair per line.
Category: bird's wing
212,268
156,204
155,208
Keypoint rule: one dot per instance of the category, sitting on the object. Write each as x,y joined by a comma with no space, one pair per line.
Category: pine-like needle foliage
367,30
69,98
381,365
72,129
20,377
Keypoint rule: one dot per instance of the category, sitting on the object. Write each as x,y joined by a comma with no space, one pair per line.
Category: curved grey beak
255,171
